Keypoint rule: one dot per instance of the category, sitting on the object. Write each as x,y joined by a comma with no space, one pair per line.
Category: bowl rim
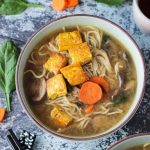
53,132
128,138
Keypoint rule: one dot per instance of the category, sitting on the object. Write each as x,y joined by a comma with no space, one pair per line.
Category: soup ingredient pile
84,84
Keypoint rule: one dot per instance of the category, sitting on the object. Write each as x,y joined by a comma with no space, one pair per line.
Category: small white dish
141,20
131,141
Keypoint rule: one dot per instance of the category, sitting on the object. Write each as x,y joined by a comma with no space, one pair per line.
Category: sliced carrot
59,5
90,93
101,81
2,114
72,3
89,109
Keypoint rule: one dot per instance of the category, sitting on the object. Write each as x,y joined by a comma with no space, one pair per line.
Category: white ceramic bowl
131,141
103,24
141,20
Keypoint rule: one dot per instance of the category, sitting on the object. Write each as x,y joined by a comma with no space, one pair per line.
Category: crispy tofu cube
61,118
56,87
55,62
74,73
68,39
80,53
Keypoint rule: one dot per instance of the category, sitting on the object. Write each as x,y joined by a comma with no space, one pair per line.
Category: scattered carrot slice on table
72,3
59,5
89,109
101,81
2,114
90,93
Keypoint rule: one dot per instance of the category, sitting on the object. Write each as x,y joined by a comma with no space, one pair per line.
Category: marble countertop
20,27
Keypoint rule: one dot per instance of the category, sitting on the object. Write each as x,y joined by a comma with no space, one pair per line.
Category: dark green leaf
105,39
12,7
121,98
1,2
111,2
8,60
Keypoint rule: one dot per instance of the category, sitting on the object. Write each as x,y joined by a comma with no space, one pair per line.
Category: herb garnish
8,60
120,98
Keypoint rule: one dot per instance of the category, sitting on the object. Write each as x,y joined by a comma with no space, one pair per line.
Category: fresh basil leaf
111,2
8,60
12,7
1,2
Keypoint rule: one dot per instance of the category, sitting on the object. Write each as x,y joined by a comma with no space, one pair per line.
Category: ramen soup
145,146
80,81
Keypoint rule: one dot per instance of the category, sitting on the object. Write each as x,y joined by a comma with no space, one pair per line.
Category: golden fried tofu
56,87
74,73
61,118
55,62
68,39
80,53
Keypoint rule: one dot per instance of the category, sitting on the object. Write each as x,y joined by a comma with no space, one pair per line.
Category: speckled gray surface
20,27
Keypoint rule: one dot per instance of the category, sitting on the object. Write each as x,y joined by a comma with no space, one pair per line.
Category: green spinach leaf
111,2
121,98
105,38
12,7
8,60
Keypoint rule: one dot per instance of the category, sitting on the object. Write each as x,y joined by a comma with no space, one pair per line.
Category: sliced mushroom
38,89
110,45
120,86
121,78
122,65
130,86
124,55
115,93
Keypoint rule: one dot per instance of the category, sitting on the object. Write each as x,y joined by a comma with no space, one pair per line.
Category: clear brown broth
42,111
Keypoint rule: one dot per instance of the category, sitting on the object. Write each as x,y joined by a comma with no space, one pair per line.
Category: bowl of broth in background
141,13
55,70
135,142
